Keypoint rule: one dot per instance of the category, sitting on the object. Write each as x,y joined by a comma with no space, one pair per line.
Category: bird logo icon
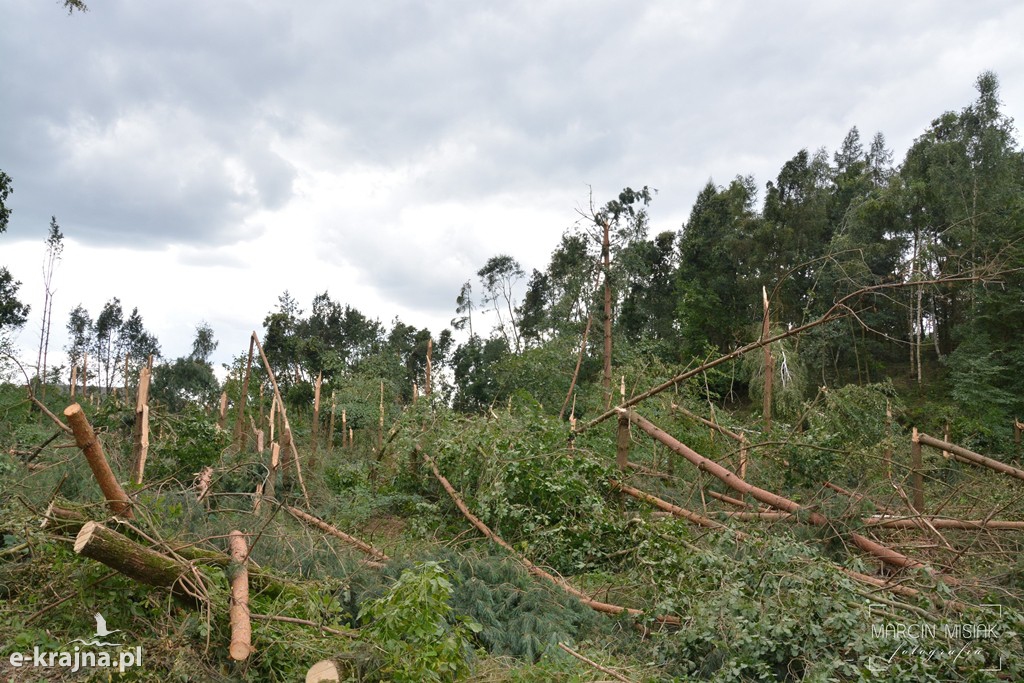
101,632
101,627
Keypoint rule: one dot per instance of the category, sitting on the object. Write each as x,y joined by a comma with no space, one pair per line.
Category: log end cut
324,671
85,536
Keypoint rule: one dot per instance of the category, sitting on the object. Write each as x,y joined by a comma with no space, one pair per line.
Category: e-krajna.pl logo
85,656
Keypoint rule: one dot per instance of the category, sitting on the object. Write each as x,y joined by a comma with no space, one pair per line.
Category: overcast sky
202,157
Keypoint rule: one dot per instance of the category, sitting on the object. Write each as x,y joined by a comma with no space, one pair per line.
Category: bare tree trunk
579,362
284,416
315,428
430,352
769,365
916,475
606,377
887,555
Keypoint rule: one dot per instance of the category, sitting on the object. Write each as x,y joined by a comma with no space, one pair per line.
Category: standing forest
780,443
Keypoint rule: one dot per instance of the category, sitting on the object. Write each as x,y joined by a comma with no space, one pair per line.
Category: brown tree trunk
769,365
970,457
140,430
887,555
315,428
284,417
137,562
85,437
530,566
323,526
579,362
916,474
430,353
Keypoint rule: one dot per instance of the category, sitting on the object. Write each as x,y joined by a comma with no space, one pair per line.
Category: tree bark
323,526
916,475
670,508
139,563
579,362
85,437
315,428
140,430
769,365
430,353
606,377
284,416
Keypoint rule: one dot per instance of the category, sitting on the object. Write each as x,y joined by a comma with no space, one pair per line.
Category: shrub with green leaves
190,441
415,629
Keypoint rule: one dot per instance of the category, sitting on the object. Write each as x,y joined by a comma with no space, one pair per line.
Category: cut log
241,627
137,562
85,437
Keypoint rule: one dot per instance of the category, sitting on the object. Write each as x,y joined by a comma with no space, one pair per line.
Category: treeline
935,242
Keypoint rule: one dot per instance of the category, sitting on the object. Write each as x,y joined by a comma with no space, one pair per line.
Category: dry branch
530,566
591,662
85,437
140,430
241,627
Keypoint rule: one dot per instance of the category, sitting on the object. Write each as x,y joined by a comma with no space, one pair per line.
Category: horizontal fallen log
135,561
890,522
323,526
887,555
530,567
66,520
964,455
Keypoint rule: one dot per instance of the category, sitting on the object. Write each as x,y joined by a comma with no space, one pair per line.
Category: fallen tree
530,567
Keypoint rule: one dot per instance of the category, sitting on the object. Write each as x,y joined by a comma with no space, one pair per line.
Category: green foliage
189,441
414,626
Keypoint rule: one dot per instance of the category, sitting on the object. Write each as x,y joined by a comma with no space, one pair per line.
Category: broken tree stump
85,437
241,626
140,430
